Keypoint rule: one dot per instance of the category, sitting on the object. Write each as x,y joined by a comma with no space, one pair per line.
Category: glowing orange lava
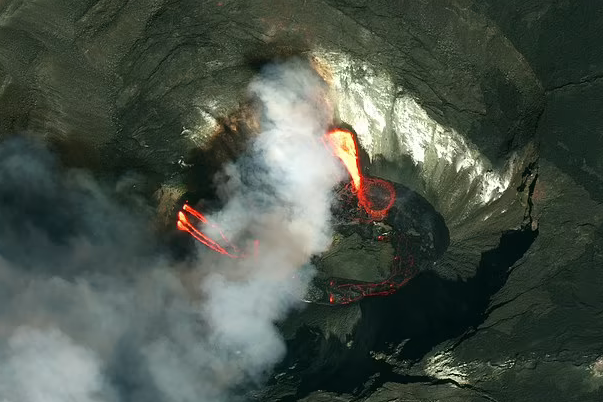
226,249
376,196
344,147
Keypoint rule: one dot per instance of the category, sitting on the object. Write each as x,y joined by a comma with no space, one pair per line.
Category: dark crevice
528,217
525,175
585,80
470,387
496,306
529,178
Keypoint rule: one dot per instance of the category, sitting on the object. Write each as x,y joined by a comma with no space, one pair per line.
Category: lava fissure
227,248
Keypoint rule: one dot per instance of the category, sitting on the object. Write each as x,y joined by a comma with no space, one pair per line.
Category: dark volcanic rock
371,257
561,42
488,110
138,87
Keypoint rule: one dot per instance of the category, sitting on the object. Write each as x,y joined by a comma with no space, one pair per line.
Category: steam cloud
90,313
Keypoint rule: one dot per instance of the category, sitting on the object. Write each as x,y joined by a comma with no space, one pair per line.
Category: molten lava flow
376,196
228,249
344,147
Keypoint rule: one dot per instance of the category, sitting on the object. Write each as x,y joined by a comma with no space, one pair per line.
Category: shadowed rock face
489,111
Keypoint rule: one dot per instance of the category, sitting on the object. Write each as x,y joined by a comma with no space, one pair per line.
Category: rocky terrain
489,110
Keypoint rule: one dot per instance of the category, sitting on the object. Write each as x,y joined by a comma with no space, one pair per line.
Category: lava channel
226,247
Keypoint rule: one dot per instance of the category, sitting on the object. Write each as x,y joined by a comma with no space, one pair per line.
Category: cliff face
488,110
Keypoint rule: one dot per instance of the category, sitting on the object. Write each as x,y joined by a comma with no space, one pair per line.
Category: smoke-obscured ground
93,309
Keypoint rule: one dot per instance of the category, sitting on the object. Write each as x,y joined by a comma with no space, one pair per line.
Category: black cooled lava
372,257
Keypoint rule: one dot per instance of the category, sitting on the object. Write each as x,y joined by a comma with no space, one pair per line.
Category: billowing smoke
48,366
90,311
280,196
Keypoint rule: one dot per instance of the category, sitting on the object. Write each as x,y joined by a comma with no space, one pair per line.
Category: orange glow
376,196
193,212
227,249
344,147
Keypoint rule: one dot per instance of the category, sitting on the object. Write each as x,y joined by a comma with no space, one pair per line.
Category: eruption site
228,249
363,202
375,195
278,201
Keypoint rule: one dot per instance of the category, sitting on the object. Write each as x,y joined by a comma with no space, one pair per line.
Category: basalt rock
487,114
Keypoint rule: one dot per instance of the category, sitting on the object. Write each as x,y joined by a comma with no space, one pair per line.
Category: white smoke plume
46,366
89,312
281,196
